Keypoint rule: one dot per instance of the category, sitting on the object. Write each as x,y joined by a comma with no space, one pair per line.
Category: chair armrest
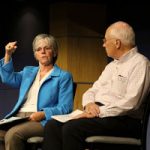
113,140
35,139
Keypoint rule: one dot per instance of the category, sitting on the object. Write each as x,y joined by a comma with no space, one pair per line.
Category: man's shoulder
140,55
140,58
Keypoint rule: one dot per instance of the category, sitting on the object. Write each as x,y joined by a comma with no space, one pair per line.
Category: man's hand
93,109
37,116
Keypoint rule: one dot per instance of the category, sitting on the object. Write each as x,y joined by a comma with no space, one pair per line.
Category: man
113,106
45,90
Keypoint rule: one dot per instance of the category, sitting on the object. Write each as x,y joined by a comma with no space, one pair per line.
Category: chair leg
35,146
2,145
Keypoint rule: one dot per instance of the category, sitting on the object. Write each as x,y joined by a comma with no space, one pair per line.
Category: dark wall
21,22
137,15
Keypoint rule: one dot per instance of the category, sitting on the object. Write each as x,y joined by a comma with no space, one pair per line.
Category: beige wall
77,28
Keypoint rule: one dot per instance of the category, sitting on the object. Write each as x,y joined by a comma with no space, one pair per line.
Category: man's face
109,43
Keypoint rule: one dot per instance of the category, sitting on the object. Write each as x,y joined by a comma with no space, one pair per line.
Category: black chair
36,141
148,135
2,134
122,143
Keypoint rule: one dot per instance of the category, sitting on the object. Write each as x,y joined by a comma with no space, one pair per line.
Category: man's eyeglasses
105,40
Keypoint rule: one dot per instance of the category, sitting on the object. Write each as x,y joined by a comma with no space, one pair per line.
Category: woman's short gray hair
51,41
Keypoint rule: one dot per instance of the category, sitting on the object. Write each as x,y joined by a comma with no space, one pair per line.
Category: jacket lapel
29,79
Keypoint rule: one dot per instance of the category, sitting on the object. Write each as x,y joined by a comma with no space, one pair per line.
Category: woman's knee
11,134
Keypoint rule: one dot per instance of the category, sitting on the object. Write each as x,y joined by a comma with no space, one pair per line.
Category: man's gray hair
123,31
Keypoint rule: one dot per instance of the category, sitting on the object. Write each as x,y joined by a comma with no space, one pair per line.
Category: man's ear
118,43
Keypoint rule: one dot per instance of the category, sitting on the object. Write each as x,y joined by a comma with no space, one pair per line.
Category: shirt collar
127,55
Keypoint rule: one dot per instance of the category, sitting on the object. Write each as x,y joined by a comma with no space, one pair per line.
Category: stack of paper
12,119
67,117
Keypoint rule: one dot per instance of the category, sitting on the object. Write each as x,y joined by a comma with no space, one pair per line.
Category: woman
45,90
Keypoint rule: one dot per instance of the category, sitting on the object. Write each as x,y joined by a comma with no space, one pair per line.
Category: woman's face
44,53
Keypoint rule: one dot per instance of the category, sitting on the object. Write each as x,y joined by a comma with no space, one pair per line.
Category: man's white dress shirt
121,86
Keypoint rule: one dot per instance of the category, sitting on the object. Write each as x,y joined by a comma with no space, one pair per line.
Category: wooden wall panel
81,88
77,19
62,60
86,58
78,27
83,57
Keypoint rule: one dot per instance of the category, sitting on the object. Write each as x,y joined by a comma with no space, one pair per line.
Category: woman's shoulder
60,71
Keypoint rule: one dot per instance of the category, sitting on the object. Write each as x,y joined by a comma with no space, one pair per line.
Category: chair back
145,121
147,143
74,89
